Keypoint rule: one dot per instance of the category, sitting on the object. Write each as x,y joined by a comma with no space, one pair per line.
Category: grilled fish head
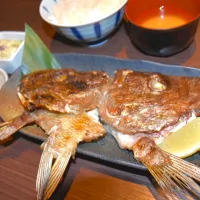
140,109
63,90
149,103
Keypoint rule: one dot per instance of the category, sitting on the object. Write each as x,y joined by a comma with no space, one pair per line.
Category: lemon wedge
185,141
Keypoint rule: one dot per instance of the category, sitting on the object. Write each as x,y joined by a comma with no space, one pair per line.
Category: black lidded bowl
161,41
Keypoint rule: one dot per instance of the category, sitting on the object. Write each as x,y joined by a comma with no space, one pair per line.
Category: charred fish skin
139,110
64,90
147,103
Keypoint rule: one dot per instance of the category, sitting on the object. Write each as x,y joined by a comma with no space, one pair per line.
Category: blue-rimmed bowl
86,33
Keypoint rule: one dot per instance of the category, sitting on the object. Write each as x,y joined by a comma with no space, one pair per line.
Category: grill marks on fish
79,85
64,90
147,103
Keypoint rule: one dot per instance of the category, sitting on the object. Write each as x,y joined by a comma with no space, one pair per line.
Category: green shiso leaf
36,55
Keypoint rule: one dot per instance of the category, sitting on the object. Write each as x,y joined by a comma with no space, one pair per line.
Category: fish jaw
127,141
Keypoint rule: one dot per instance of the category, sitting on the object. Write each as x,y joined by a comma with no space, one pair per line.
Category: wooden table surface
84,179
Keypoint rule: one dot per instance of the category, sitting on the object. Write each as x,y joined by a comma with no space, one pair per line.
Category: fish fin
10,127
57,172
174,175
44,171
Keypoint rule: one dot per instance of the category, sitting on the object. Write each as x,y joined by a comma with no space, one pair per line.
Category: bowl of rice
82,21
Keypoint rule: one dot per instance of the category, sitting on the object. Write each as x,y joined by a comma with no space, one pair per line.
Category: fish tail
10,127
174,175
44,171
57,172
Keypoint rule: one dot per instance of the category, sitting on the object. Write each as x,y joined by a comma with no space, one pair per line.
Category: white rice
79,12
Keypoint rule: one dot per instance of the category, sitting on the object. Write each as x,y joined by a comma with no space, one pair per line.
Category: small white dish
3,77
11,64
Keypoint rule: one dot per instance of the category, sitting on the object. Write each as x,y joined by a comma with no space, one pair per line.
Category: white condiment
79,12
8,48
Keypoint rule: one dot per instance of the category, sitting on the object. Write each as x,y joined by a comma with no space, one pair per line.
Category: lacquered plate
105,149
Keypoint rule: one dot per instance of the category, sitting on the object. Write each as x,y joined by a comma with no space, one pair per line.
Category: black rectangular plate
105,149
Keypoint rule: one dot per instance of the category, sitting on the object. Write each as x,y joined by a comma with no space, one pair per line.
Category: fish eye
157,83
